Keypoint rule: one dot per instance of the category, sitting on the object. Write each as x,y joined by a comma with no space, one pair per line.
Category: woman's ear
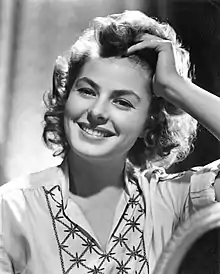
144,132
147,126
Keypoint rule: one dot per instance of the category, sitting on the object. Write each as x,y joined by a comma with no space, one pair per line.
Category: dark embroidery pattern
80,253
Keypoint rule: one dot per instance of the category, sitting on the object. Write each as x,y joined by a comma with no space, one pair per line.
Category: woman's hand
167,83
166,71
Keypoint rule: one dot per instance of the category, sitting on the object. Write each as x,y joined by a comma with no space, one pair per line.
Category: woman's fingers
139,46
165,66
148,36
150,41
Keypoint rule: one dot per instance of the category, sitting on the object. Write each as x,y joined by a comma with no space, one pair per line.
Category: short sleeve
5,263
189,191
12,221
202,185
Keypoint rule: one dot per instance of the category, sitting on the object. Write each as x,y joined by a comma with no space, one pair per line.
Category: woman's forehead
116,70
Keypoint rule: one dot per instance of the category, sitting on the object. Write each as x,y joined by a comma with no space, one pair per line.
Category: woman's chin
94,153
90,154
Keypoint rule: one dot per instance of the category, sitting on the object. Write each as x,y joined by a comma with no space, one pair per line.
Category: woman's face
107,108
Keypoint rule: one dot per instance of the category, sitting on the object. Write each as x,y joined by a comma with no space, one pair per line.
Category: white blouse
43,231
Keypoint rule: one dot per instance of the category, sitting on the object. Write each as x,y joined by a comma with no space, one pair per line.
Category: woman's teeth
93,132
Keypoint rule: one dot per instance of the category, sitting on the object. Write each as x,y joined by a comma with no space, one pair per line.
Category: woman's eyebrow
115,93
88,81
121,92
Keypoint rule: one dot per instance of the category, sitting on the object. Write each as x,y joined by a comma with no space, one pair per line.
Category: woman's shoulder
196,184
181,192
198,181
205,172
199,177
46,177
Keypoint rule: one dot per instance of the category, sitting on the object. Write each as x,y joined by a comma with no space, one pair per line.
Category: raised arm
201,104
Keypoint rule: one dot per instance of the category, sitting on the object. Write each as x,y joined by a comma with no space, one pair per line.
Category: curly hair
169,132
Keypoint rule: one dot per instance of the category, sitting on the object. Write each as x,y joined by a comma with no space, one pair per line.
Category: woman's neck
89,177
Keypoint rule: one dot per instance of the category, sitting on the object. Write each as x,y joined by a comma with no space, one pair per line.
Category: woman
120,112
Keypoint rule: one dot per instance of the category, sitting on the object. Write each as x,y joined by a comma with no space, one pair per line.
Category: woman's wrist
174,90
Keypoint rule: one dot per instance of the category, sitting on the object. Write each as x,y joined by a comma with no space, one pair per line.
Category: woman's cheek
74,108
126,123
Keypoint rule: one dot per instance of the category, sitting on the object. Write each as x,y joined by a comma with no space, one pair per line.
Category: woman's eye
123,103
86,92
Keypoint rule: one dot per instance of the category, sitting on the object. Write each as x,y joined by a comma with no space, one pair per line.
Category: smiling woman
169,131
107,94
120,112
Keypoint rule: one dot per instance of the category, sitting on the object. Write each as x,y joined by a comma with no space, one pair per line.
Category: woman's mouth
97,132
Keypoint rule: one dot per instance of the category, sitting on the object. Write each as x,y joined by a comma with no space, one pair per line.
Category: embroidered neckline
129,223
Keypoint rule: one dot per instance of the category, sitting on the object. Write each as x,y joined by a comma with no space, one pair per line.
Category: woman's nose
97,116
